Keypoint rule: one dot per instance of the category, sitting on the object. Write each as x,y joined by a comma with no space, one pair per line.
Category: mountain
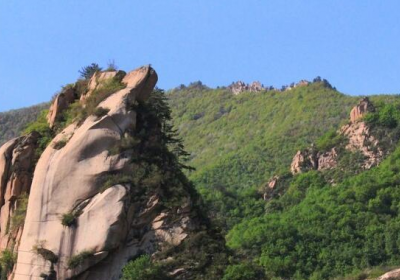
95,189
13,122
302,181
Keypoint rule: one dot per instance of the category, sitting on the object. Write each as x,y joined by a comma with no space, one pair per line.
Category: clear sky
354,44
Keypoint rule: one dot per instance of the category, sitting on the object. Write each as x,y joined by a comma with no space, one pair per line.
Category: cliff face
104,191
358,138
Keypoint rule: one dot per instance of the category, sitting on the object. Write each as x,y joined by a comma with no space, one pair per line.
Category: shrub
78,259
329,140
60,144
41,126
18,218
143,269
110,180
100,112
45,253
69,219
243,271
7,261
88,71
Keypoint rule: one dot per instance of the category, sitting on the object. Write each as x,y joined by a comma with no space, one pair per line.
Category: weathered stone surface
98,78
60,103
391,275
268,190
327,160
360,139
240,86
17,159
109,224
361,109
304,160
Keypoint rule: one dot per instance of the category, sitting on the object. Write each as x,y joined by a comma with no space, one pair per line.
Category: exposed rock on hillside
60,103
359,139
240,86
391,275
105,191
304,160
365,106
98,78
17,160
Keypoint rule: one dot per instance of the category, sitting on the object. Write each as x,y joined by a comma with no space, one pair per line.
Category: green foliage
45,253
243,271
68,219
78,259
18,217
41,126
329,140
88,71
100,112
7,261
60,144
322,231
386,115
77,112
13,122
143,269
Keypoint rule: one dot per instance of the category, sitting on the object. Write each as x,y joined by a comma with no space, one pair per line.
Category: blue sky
353,44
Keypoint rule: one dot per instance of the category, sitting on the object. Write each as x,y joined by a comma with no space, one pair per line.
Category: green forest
313,229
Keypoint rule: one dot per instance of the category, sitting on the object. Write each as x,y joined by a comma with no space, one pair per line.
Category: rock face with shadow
93,205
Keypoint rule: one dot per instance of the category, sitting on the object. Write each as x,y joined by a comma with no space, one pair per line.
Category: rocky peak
101,191
363,107
60,103
239,87
359,139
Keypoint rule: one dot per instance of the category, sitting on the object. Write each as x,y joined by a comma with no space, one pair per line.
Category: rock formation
85,220
239,87
98,78
359,139
391,275
361,109
304,160
17,159
60,103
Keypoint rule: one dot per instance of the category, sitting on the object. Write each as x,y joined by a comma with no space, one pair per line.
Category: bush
88,71
329,140
60,144
243,271
143,269
69,219
45,253
7,261
18,218
100,112
41,126
78,259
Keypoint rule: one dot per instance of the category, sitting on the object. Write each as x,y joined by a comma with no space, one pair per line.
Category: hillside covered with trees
340,224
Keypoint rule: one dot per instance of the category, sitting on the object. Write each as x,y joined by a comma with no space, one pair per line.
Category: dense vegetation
311,230
13,122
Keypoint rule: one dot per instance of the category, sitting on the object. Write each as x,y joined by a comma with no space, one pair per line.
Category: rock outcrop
304,160
391,275
60,103
17,160
100,77
85,220
239,87
358,137
364,106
